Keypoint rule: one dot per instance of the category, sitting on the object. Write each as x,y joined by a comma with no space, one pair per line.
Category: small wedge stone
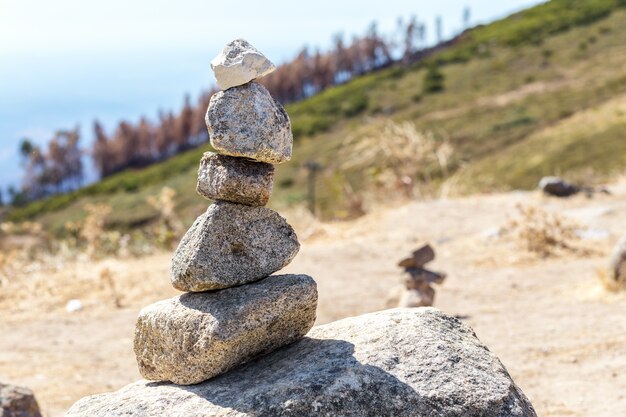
238,180
196,336
246,121
232,244
238,63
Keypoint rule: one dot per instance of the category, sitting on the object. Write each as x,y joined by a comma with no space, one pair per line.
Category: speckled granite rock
400,363
238,180
232,244
195,336
17,401
238,63
246,121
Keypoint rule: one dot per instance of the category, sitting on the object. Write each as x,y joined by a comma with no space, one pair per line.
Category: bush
355,104
433,80
309,125
543,233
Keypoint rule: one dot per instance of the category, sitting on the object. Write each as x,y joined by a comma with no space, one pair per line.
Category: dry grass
93,227
544,233
107,281
170,227
608,283
409,159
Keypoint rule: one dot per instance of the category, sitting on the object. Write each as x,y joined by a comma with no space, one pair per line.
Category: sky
65,63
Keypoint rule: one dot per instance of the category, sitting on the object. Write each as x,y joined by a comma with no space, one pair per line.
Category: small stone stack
233,310
418,290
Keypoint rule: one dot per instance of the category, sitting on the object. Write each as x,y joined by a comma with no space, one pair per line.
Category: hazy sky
66,62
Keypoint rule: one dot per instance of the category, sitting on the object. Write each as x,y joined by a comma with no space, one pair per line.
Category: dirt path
560,335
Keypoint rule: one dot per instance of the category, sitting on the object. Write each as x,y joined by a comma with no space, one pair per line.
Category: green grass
592,139
531,26
500,109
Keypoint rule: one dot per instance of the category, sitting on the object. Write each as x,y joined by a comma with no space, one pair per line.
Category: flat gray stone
246,121
16,401
396,363
238,180
196,336
232,244
238,63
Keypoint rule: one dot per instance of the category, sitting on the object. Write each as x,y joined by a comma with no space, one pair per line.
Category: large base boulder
402,362
196,336
17,401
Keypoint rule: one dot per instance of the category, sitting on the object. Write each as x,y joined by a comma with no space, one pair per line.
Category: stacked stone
418,281
233,310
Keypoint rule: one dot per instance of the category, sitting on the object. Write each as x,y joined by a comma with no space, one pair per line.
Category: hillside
541,92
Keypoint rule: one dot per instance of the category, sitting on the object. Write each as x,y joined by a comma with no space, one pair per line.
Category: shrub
170,228
93,227
407,158
542,232
355,104
433,80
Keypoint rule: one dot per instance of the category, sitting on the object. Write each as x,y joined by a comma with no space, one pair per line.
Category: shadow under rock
311,377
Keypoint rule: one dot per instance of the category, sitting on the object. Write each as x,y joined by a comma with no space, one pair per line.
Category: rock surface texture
238,63
247,122
237,180
402,362
17,402
195,336
232,244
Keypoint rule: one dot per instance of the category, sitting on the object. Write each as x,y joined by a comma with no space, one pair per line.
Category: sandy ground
559,333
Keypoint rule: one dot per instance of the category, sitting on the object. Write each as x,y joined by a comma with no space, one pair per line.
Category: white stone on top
239,63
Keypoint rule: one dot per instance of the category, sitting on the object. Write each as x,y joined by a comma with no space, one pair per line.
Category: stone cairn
418,281
234,309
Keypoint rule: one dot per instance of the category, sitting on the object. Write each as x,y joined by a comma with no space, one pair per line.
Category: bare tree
439,29
466,17
184,125
101,152
410,32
